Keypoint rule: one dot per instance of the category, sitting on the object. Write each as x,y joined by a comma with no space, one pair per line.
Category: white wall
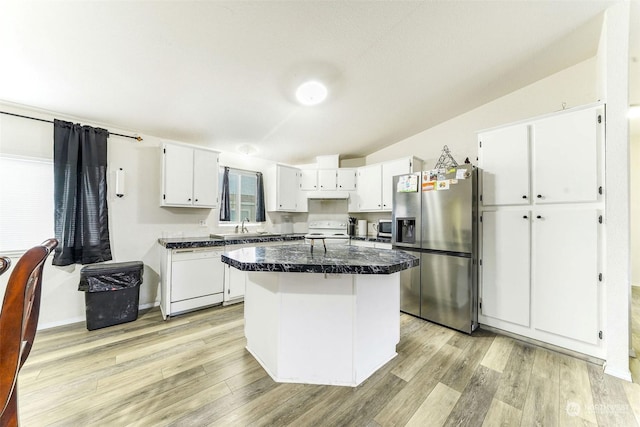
136,221
634,160
572,87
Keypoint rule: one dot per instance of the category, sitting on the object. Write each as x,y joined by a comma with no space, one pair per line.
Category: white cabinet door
327,179
287,188
369,188
565,167
234,283
504,160
205,178
566,273
505,269
347,179
309,179
177,175
389,170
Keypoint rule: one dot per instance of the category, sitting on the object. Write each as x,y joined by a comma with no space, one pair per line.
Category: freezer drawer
447,291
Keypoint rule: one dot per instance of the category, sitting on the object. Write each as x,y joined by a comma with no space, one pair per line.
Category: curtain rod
240,170
137,138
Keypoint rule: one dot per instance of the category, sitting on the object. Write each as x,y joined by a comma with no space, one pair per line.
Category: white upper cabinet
189,176
370,187
375,183
392,168
327,179
284,187
309,179
565,167
347,179
550,160
504,159
205,178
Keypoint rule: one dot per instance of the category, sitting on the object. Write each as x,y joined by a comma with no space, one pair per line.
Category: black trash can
112,292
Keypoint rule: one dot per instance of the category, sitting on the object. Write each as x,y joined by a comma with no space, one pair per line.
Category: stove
327,229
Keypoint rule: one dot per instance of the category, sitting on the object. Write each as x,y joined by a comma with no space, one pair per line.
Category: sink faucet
244,229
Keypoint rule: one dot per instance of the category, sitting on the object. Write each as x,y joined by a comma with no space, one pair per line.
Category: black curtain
80,194
225,206
260,214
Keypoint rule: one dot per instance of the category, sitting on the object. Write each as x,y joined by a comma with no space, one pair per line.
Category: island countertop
338,259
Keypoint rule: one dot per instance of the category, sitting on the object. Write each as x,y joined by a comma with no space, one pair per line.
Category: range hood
327,195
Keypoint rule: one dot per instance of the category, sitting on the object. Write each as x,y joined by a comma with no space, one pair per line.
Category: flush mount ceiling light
311,93
247,149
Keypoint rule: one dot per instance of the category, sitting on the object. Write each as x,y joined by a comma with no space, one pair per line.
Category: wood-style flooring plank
541,404
498,354
501,415
475,401
632,391
611,406
435,409
402,407
465,366
514,381
576,398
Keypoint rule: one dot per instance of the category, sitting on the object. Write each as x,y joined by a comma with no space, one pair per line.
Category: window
242,194
26,203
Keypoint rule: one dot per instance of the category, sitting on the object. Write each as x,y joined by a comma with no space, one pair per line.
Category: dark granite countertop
338,259
209,241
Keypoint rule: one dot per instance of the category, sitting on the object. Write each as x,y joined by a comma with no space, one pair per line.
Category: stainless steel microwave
384,228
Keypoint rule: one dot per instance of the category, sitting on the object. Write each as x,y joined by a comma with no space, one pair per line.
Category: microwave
384,228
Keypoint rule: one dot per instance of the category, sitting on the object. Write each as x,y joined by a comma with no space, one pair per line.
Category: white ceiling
224,73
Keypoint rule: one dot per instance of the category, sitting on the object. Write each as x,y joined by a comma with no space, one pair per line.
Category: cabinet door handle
196,200
188,200
525,217
524,197
539,216
539,196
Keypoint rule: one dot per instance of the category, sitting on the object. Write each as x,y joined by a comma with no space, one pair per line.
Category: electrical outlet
202,223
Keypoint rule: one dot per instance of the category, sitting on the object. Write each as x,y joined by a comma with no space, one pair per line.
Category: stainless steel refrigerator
434,217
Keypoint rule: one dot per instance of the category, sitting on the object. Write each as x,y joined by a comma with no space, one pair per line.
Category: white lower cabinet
565,259
190,279
540,275
505,266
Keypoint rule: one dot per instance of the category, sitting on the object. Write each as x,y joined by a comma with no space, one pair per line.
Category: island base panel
322,329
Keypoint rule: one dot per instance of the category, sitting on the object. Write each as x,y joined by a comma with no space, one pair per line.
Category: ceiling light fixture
311,93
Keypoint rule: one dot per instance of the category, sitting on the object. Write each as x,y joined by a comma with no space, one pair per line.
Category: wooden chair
18,322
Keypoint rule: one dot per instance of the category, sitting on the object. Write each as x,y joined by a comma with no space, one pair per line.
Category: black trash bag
110,276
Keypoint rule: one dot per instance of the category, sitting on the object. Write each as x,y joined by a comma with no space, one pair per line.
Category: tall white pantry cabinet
542,209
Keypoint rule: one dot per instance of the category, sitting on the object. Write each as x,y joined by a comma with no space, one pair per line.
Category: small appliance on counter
383,228
362,228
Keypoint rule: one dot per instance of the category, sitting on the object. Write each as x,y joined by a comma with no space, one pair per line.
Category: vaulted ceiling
223,74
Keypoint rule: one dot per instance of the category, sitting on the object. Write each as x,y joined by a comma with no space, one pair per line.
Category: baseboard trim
72,320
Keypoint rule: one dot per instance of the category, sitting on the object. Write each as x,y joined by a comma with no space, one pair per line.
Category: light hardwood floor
193,370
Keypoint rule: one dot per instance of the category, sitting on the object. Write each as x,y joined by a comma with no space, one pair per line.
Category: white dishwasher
197,279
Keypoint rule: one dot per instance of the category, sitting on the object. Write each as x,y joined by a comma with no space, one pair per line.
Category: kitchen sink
238,236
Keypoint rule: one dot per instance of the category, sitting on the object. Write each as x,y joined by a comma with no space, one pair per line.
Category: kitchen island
321,317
